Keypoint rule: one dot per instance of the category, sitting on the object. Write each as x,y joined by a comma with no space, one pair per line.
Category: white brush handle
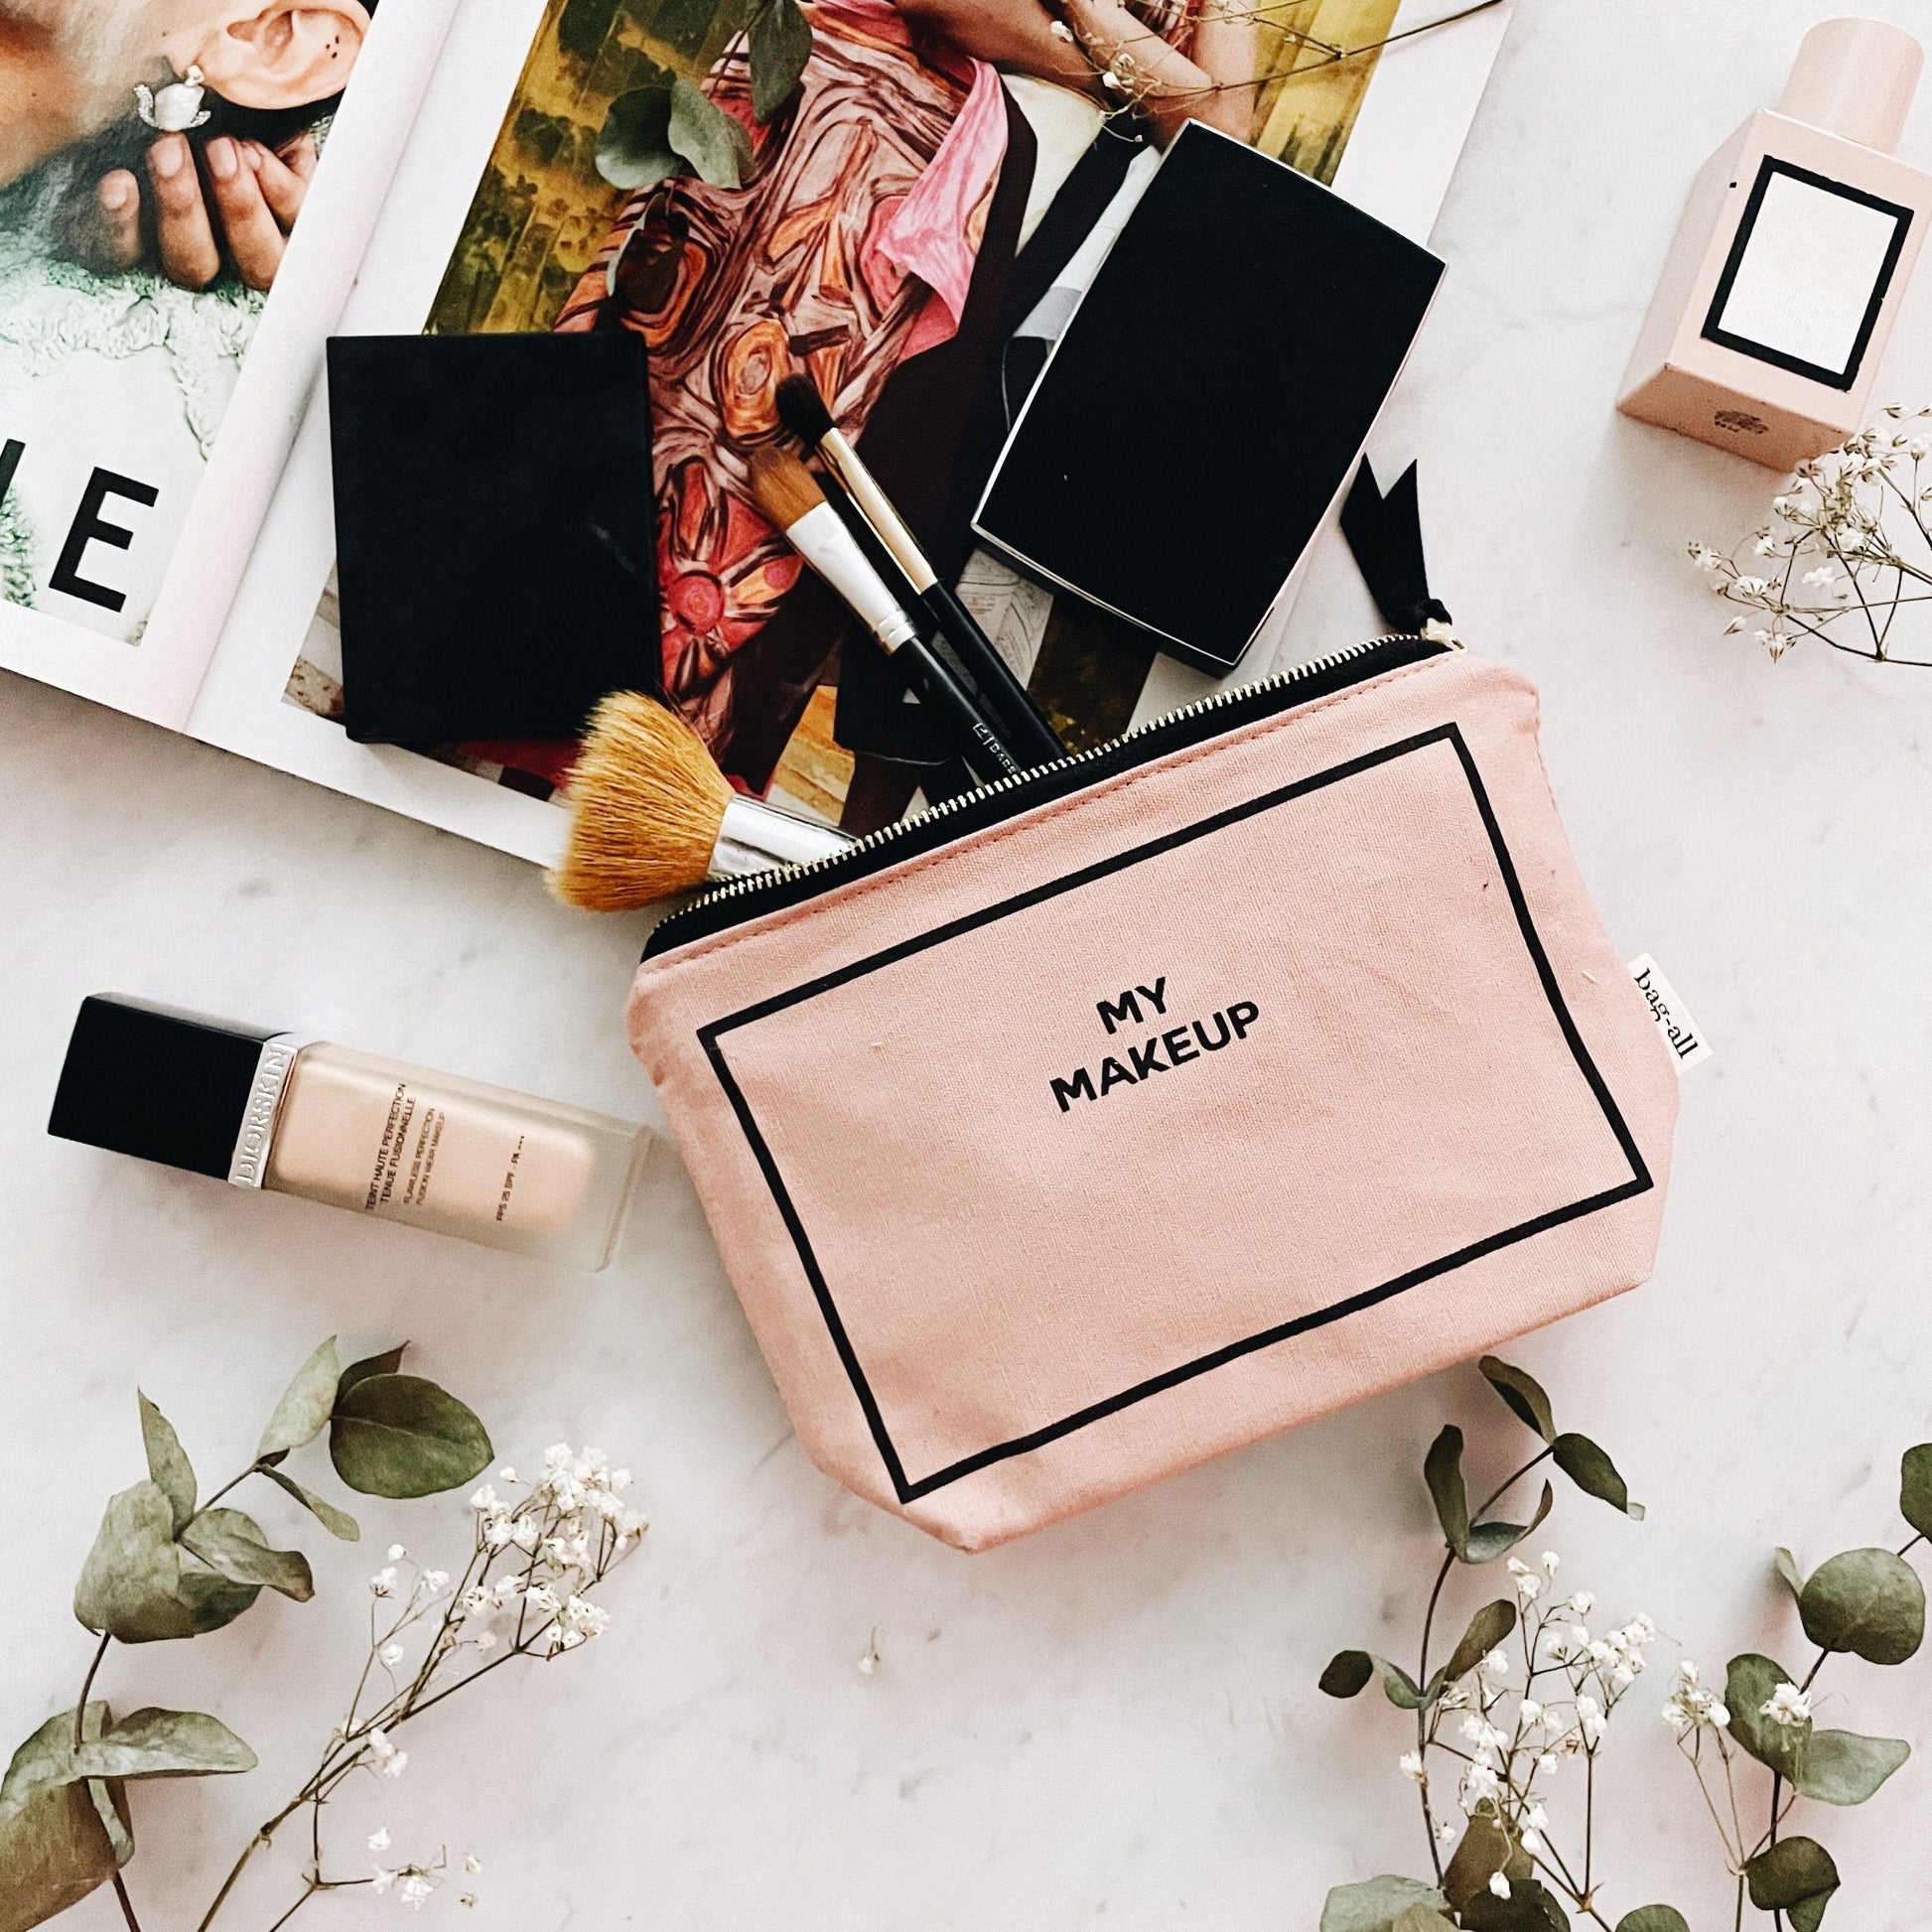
830,548
756,837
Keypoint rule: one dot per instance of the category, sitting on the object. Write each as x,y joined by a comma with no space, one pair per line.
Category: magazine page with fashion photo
941,175
186,187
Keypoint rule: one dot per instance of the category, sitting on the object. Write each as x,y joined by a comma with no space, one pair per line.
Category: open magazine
456,191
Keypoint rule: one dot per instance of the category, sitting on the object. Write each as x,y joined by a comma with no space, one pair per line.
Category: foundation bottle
296,1116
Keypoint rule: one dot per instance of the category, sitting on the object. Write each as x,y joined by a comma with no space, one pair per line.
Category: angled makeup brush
1030,737
650,816
789,494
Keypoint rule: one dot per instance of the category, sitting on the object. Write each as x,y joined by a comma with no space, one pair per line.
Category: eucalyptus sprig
166,1566
667,126
1510,1869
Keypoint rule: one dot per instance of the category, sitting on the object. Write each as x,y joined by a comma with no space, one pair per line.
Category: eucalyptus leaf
1795,1876
400,1436
233,1545
54,1847
1593,1473
1489,1541
1487,1628
1401,1690
337,1522
387,1363
1484,1850
778,45
1530,1907
303,1412
155,1743
1840,1768
139,1585
634,149
1375,1904
168,1465
1915,1487
1348,1674
1786,1565
1442,1469
108,1796
1653,1918
1522,1394
1420,1918
1748,1683
1868,1603
711,141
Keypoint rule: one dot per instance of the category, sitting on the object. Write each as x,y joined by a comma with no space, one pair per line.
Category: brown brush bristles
646,804
782,488
802,410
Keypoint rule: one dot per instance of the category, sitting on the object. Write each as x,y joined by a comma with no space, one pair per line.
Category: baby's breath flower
388,1761
383,1582
1787,1706
484,1502
384,1879
390,1654
1410,1764
379,1839
1499,1885
415,1889
585,1616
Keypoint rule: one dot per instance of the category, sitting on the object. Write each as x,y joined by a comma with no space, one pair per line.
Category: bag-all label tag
1682,1034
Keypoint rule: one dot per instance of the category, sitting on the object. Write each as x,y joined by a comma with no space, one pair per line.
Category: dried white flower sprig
527,1590
167,1564
1533,1685
1847,551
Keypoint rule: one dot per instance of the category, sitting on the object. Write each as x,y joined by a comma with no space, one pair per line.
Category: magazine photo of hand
149,186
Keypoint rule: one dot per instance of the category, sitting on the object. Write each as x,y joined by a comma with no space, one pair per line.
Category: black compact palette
493,532
1210,398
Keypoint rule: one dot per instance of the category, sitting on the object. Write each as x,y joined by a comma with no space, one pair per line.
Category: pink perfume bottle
1791,265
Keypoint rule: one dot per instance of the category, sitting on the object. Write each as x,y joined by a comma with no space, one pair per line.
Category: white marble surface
1113,1724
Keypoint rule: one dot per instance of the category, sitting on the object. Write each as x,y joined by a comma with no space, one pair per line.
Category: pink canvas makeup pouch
1137,1108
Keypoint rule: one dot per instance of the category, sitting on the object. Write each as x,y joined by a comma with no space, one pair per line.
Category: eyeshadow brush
1030,737
651,814
789,496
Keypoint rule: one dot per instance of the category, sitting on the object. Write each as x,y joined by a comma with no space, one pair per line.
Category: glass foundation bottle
296,1116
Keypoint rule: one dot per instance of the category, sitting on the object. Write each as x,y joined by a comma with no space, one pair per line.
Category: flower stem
127,1904
87,1685
1422,1728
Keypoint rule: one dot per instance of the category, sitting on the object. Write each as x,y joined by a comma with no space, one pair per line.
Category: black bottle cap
157,1083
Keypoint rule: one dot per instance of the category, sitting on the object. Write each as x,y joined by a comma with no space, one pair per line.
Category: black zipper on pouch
749,898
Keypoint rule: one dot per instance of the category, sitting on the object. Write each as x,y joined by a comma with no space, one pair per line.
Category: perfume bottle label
1808,274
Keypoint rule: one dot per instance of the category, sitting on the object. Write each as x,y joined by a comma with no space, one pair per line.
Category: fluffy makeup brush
1028,735
650,816
787,492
